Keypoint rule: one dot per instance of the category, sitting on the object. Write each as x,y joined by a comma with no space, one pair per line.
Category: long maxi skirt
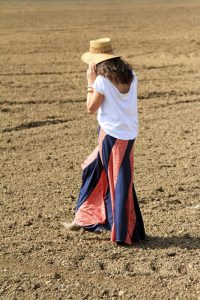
107,198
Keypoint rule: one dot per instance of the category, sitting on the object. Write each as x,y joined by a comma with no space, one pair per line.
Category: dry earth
46,134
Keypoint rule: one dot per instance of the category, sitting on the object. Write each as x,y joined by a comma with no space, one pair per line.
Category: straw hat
100,50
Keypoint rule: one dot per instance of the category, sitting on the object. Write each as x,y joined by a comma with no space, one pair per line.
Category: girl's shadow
155,242
158,242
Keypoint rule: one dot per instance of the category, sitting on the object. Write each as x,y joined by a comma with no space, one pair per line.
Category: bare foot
72,226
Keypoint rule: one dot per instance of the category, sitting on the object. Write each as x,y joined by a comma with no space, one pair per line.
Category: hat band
101,50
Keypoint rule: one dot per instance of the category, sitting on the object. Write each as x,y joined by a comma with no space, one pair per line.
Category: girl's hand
91,73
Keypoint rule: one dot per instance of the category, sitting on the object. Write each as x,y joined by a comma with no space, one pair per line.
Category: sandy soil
46,134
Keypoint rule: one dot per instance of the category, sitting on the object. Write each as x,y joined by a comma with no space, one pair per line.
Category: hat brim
96,58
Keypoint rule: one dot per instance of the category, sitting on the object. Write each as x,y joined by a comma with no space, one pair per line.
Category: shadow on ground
185,241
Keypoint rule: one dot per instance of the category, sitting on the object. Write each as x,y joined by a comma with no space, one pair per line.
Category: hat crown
100,50
101,46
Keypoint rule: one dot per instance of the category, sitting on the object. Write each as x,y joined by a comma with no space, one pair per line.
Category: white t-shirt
118,114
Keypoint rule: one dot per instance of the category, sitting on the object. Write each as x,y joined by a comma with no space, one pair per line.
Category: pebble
126,266
104,293
36,286
28,223
56,276
171,254
100,265
121,293
62,287
160,189
180,188
153,266
187,236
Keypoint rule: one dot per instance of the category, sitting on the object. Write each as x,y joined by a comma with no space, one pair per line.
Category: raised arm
94,98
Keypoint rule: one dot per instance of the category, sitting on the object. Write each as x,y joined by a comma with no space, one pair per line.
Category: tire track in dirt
187,101
13,102
34,124
63,272
158,95
178,102
40,73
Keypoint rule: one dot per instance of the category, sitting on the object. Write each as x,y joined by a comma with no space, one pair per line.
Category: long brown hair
116,70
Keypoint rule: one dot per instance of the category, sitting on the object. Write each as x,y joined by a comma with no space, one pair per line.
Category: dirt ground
46,133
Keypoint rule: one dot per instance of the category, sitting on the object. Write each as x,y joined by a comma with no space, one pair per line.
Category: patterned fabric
107,199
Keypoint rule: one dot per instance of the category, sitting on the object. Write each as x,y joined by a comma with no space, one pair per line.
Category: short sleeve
99,84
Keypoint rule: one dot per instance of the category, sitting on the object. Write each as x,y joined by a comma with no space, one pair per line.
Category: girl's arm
94,99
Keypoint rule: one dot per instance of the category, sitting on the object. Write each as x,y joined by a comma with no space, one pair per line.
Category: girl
107,199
